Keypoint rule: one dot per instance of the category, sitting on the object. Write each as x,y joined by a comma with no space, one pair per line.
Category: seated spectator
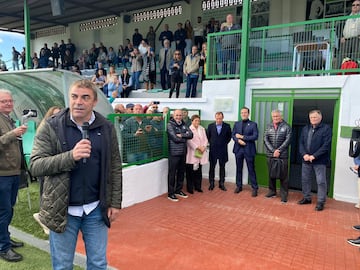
76,69
101,57
122,56
111,57
114,88
119,108
44,59
68,60
126,83
100,66
99,80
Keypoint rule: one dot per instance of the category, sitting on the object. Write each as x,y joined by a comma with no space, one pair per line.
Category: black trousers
284,182
193,178
221,172
176,174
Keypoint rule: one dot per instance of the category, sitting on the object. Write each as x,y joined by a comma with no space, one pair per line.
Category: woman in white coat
196,155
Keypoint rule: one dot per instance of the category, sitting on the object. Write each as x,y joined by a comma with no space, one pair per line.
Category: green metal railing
293,49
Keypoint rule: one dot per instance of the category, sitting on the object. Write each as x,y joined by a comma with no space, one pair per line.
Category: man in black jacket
219,136
178,134
277,139
315,143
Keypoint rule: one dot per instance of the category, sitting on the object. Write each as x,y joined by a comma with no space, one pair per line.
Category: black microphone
85,133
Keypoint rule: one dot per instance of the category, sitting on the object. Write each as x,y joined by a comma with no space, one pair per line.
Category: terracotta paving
223,230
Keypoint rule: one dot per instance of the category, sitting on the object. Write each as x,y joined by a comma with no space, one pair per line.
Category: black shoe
283,201
190,191
223,188
199,190
173,198
238,190
181,194
254,193
354,242
356,227
270,194
211,187
15,244
304,201
319,207
11,256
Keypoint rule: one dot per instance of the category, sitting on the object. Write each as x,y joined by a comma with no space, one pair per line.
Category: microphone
85,133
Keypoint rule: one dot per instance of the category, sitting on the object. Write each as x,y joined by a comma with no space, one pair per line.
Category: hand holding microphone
82,149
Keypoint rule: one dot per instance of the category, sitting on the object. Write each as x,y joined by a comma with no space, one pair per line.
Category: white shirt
352,28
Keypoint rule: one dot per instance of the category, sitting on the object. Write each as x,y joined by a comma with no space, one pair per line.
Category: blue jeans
320,174
191,83
136,79
228,54
9,186
95,236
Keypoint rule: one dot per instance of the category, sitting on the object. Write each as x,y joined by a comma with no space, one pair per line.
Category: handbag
276,168
198,153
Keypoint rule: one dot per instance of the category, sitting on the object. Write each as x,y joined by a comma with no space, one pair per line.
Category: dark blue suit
250,132
218,150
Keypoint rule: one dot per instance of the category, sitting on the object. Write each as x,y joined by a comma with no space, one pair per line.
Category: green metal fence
314,47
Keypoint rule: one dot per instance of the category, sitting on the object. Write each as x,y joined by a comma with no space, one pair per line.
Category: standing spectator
70,204
11,163
44,59
137,38
136,68
314,148
103,47
35,61
149,68
196,155
229,44
47,51
198,33
178,134
219,136
23,58
55,53
210,27
191,70
185,117
15,59
189,37
166,34
165,55
71,47
151,37
126,83
350,42
92,56
179,38
202,63
62,49
277,139
244,134
176,73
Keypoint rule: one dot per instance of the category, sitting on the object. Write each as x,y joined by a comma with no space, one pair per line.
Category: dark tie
165,58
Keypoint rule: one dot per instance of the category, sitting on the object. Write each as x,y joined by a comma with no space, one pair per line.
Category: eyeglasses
11,101
355,5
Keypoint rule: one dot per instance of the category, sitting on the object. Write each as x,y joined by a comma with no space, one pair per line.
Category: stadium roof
41,16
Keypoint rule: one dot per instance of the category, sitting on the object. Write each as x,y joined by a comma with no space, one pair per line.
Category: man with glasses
10,167
349,42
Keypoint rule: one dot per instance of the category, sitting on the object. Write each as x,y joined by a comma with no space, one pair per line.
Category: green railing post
27,35
244,51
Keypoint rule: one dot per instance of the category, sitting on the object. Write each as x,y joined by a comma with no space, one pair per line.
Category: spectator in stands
210,27
99,80
44,59
151,37
349,42
136,131
143,47
76,69
101,57
119,108
47,51
178,134
198,33
166,34
176,72
189,37
149,68
156,140
100,66
35,61
137,38
93,55
129,108
114,88
111,57
109,78
196,155
23,58
229,45
126,83
62,49
165,55
191,71
185,117
102,46
15,59
84,60
55,53
121,56
68,60
136,68
179,38
71,47
202,62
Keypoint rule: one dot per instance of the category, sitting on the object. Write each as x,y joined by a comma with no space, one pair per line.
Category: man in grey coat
77,152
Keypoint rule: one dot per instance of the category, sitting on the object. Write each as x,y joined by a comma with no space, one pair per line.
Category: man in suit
219,135
165,56
244,134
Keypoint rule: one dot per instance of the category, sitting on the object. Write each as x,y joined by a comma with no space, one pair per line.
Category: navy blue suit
250,132
218,150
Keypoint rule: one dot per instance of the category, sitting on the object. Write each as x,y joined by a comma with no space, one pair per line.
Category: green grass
34,259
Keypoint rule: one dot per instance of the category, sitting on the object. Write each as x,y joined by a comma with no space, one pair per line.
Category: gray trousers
320,174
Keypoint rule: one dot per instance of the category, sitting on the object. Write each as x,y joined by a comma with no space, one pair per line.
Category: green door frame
286,95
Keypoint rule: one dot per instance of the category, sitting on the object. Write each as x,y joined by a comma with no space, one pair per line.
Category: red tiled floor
223,230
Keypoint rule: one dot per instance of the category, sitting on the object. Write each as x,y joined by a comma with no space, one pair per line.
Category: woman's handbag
198,153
